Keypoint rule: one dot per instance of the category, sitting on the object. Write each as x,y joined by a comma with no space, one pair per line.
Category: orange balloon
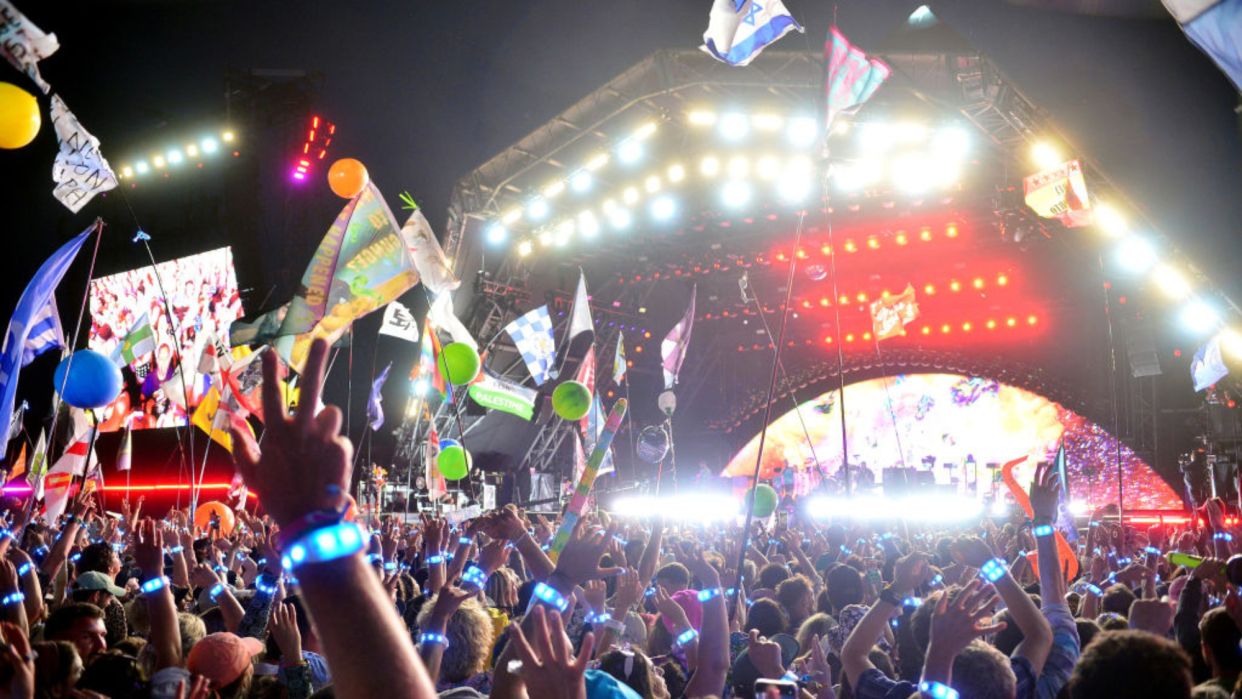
202,517
348,178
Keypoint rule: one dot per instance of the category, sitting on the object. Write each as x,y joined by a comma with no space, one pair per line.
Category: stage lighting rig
170,159
314,147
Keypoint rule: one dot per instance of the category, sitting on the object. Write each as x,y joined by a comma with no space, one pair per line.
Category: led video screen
130,323
958,428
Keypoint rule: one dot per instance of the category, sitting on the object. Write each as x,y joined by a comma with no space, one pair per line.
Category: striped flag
738,30
673,347
852,77
45,333
138,343
436,487
72,463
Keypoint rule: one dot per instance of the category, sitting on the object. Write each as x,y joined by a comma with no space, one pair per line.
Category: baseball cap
94,580
601,685
222,657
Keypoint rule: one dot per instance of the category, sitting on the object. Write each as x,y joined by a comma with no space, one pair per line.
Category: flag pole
454,404
836,306
888,401
1112,353
195,487
629,417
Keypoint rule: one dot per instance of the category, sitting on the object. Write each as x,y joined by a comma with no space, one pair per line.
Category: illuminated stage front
958,428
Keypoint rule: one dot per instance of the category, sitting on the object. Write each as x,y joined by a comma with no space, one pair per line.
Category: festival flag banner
360,266
1212,25
80,171
262,330
138,343
586,377
443,387
124,457
33,300
245,382
17,421
532,335
45,332
595,427
399,322
23,44
214,359
1060,193
852,77
673,347
618,361
38,461
496,393
424,371
72,463
436,487
442,316
739,30
216,412
889,316
1208,366
375,406
19,465
428,257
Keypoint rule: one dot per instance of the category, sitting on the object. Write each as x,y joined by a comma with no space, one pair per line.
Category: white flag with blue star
738,30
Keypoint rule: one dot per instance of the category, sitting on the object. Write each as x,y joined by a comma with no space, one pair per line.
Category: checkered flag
532,334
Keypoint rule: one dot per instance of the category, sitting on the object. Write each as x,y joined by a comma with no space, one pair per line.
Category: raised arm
651,552
908,573
953,627
1037,634
713,654
82,506
1064,649
161,609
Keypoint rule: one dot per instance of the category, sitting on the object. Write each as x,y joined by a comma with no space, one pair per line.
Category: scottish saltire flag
852,78
1208,367
45,333
34,299
532,334
23,44
618,361
738,30
375,407
138,343
1213,27
673,348
124,457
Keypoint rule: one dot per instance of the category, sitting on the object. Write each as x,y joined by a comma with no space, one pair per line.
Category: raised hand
955,625
579,561
972,551
766,655
149,549
910,571
304,465
1151,615
549,668
630,589
284,627
18,661
1045,491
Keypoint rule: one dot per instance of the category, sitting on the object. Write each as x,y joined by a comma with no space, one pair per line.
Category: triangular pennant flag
19,465
673,348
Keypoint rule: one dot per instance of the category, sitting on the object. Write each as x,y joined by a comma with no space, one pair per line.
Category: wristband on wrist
266,587
475,576
215,591
23,569
936,690
1043,530
430,637
1223,536
1152,550
709,593
912,602
465,540
300,528
176,549
889,596
12,598
686,637
75,557
615,625
154,585
993,570
323,545
433,560
1094,589
375,558
545,594
390,566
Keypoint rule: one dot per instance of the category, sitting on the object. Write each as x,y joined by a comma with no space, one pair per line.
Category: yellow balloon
19,116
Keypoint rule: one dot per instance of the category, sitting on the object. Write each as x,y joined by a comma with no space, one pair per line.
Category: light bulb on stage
667,402
1199,317
1136,255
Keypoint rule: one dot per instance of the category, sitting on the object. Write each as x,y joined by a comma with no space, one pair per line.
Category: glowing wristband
1043,530
912,602
993,570
1094,524
936,690
261,562
431,637
266,589
322,545
1152,550
23,569
1223,536
846,551
465,541
686,637
12,598
547,595
215,591
390,566
154,585
375,558
619,540
7,534
886,535
290,580
705,595
938,579
118,547
176,549
1125,561
1094,589
42,551
433,560
650,592
475,576
75,558
221,569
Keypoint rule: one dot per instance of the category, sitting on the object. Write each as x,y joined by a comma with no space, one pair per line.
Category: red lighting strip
140,488
927,330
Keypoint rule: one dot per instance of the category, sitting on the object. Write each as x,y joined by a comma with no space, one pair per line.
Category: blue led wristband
686,637
428,637
936,690
267,588
1223,536
1043,530
12,598
322,545
993,570
23,569
546,595
1152,550
475,576
215,591
154,585
390,566
709,593
1094,589
915,602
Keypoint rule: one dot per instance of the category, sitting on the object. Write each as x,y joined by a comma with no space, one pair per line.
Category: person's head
501,590
1220,643
115,676
982,672
227,661
766,616
797,596
1131,664
771,575
673,577
469,633
96,588
1112,621
815,625
58,667
1117,599
844,586
80,624
101,558
636,671
1087,631
920,620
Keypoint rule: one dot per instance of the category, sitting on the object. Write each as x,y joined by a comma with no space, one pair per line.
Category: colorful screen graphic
959,428
130,324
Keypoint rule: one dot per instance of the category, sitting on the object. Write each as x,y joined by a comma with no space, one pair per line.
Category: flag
72,463
579,461
738,30
436,488
23,44
138,343
442,316
595,427
17,421
427,255
216,412
1060,193
1213,27
586,377
851,80
532,335
496,393
45,332
261,330
124,457
618,361
1208,367
425,370
673,348
375,408
19,465
34,299
215,359
80,171
437,380
38,461
1065,519
245,382
581,332
890,315
399,322
93,480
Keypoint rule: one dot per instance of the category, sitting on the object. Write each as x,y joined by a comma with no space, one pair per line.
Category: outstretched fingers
312,384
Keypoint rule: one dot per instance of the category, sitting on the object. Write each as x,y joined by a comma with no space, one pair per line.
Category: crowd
300,603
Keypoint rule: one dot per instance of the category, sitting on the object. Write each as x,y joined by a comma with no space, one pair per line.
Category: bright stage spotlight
209,145
419,387
620,218
1108,220
1200,318
564,232
734,126
644,131
127,171
914,508
140,167
793,187
876,138
710,167
914,173
767,122
158,161
587,224
511,216
175,157
1045,156
1232,342
554,189
1136,255
736,193
1000,508
227,136
952,143
652,184
537,209
663,208
911,133
1079,507
581,181
630,151
497,234
1171,282
768,167
738,167
702,118
693,507
525,248
676,173
802,132
597,162
630,195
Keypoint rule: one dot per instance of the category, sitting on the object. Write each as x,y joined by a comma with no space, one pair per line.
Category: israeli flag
532,334
738,30
45,333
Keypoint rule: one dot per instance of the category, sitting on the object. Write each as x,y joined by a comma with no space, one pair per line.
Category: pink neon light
298,176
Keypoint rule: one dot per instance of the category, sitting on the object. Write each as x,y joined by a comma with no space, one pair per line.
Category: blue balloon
446,443
94,381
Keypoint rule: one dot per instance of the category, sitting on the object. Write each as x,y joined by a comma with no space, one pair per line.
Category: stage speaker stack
1226,427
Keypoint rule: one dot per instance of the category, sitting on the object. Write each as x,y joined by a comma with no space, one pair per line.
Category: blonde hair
470,640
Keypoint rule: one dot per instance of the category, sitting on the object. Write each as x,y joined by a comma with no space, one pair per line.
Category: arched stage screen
959,428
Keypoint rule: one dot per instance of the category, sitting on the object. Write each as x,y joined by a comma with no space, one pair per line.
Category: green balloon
458,363
571,400
765,500
454,463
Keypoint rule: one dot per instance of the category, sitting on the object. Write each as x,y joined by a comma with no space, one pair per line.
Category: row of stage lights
1009,323
935,166
174,157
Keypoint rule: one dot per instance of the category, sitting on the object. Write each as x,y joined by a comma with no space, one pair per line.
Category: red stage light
1011,322
978,283
845,299
951,231
850,246
866,336
954,286
780,257
862,298
823,302
926,330
944,329
828,340
901,238
925,235
991,324
629,362
1122,300
647,334
873,243
849,338
929,289
1031,320
827,249
639,349
966,327
801,254
741,348
1231,404
1002,280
